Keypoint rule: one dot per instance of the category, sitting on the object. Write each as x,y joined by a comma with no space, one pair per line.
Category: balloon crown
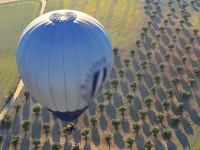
64,17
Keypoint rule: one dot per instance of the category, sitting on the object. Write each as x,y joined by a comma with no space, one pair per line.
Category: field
118,17
185,135
14,17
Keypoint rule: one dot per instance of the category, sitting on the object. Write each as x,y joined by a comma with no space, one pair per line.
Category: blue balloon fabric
64,58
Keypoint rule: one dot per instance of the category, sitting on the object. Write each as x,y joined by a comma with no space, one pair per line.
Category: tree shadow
118,62
159,145
182,41
186,32
188,24
85,119
180,52
163,52
77,137
26,110
136,65
187,127
36,129
118,138
7,139
67,145
46,145
110,111
92,109
148,80
117,100
16,125
100,98
152,68
195,9
166,82
141,55
113,74
134,116
165,39
158,105
172,23
152,116
124,87
175,16
161,93
45,115
125,126
56,132
139,141
182,138
25,144
171,145
147,13
155,25
129,76
172,72
103,123
144,91
87,147
157,20
153,33
145,128
169,31
95,137
147,43
194,116
160,15
107,84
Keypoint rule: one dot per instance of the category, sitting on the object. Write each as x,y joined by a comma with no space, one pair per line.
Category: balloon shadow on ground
103,123
25,144
56,132
139,141
34,100
110,111
117,100
182,138
124,87
77,137
45,115
133,114
92,109
159,145
95,137
36,129
118,138
67,145
26,110
125,126
46,145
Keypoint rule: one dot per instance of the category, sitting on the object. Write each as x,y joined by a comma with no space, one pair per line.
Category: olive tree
56,146
133,85
129,98
154,131
148,144
176,119
160,117
191,82
93,120
115,51
36,142
130,141
136,127
122,110
115,123
108,93
170,92
167,133
108,138
166,104
142,113
148,101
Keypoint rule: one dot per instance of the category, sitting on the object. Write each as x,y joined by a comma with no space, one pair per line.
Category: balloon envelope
64,57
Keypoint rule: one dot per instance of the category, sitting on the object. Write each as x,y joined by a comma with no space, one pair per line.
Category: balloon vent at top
62,17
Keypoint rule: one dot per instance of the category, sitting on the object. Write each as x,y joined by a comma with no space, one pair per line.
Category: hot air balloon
64,58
